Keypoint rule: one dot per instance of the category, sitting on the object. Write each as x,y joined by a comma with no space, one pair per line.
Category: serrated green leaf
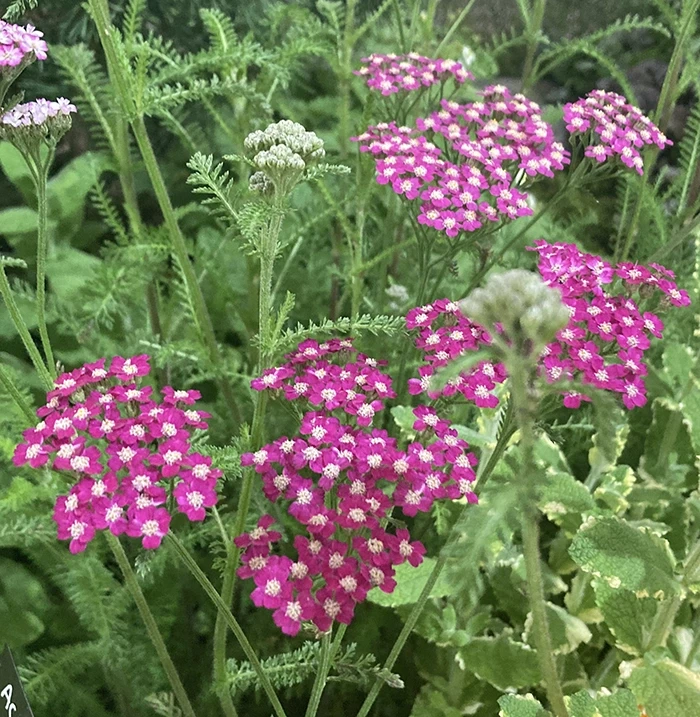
626,557
615,485
566,631
521,706
502,662
628,616
666,689
410,582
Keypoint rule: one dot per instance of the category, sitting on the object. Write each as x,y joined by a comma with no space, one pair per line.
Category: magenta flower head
609,127
124,452
468,165
612,321
389,74
340,480
20,45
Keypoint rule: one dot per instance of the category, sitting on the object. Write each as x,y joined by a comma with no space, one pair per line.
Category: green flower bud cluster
529,312
284,150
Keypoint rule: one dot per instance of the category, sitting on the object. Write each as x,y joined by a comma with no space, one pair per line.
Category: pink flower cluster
605,340
36,113
342,481
612,128
401,73
444,334
127,451
603,345
498,143
18,43
356,387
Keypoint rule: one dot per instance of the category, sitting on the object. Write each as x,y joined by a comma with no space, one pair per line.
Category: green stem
534,29
42,247
525,411
23,331
345,67
663,622
189,562
269,245
453,27
662,115
149,622
399,23
324,666
440,563
119,74
9,386
694,645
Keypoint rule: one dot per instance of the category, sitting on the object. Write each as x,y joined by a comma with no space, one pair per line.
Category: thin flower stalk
189,562
23,331
100,13
149,622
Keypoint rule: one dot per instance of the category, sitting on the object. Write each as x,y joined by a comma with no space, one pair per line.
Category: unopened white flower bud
529,311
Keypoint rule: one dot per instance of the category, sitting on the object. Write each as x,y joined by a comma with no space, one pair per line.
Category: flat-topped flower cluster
343,482
611,326
390,74
36,113
611,127
20,43
126,450
491,152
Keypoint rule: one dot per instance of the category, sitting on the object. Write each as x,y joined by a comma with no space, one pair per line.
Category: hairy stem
42,247
119,74
525,410
149,622
23,331
534,29
662,115
189,562
269,245
9,385
324,666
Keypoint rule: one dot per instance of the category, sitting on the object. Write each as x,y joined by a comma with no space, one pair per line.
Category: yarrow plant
491,152
610,326
343,481
390,74
127,451
609,127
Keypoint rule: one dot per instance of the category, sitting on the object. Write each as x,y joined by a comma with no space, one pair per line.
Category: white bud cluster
259,182
290,134
529,311
283,151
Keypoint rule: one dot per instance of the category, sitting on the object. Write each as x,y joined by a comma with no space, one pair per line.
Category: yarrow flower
37,113
390,74
20,44
500,143
341,480
444,334
126,451
612,321
610,127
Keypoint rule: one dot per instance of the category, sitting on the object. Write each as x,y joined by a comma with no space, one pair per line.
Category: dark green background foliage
630,478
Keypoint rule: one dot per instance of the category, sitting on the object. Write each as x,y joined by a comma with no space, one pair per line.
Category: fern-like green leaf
284,670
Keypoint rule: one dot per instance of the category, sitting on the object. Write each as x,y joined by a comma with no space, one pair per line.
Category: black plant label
13,701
